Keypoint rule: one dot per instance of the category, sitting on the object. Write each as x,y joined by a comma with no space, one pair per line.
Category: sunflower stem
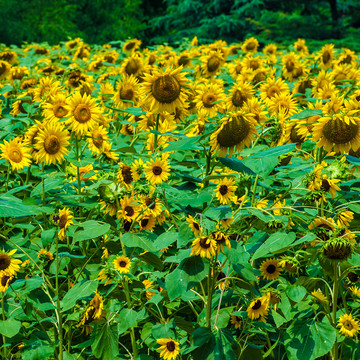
254,190
208,164
3,317
156,129
61,356
43,183
334,310
7,178
210,293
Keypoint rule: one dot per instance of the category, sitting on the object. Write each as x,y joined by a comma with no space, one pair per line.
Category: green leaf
91,229
39,351
165,239
136,240
189,273
274,244
10,327
5,89
324,336
185,235
308,237
261,165
220,212
12,207
236,164
306,114
275,151
77,292
152,260
105,345
127,318
184,144
295,292
47,237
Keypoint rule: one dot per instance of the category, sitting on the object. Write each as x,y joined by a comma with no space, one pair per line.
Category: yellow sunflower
326,56
51,143
169,348
137,169
5,279
129,209
319,296
127,92
151,205
64,220
225,191
348,325
344,218
338,131
8,264
55,109
47,88
122,264
125,176
131,45
283,102
272,87
97,138
4,69
236,321
194,225
45,255
94,311
270,269
204,246
211,63
157,171
16,153
83,113
210,99
235,132
133,65
164,90
221,240
147,223
239,94
250,45
259,307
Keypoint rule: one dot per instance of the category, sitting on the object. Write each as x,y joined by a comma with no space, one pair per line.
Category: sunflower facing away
348,325
204,246
51,142
8,264
270,269
122,264
169,348
16,153
165,91
225,191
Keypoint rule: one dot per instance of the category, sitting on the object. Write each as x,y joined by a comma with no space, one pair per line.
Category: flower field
198,202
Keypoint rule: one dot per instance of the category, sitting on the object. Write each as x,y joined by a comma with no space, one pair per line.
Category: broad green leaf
5,89
105,345
220,212
12,207
324,335
189,273
10,327
184,144
185,235
138,240
295,292
236,164
261,165
304,114
39,350
77,292
275,151
152,260
308,237
47,237
165,239
90,230
127,318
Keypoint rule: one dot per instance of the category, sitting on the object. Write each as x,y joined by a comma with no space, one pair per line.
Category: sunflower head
122,264
169,348
348,325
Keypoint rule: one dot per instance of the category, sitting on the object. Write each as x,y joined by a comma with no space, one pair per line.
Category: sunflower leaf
77,292
105,345
236,164
10,327
134,240
306,113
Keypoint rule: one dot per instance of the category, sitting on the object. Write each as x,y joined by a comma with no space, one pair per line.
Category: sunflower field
196,202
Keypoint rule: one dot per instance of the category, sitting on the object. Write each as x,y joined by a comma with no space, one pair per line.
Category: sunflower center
60,111
257,305
126,174
62,221
238,69
166,89
271,269
52,144
196,225
126,93
150,203
238,98
338,132
157,170
132,67
130,45
254,64
233,132
129,211
5,261
82,113
272,91
213,64
290,65
144,222
208,100
122,263
326,57
170,346
183,60
348,325
250,46
294,137
325,185
16,155
4,280
204,243
2,68
223,189
98,139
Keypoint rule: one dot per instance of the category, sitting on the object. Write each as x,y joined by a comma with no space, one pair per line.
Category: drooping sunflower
337,249
64,220
47,88
194,225
43,254
129,209
169,348
348,325
127,92
83,113
8,264
344,218
148,285
16,153
157,171
137,169
164,90
122,264
225,191
97,138
132,65
204,246
5,279
94,311
319,296
51,142
322,226
339,132
55,109
221,240
270,269
259,307
236,321
235,132
210,99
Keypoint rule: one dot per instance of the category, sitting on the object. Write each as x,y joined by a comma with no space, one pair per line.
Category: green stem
43,183
61,356
334,310
7,178
209,299
254,190
156,129
3,317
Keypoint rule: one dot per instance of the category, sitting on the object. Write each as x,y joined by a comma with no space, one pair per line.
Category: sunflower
239,94
348,325
157,171
344,218
4,69
225,191
322,227
257,110
125,176
45,255
8,264
221,240
236,321
194,225
131,46
204,246
319,296
94,311
137,169
64,220
133,65
337,249
5,280
329,185
169,348
97,138
122,264
211,63
16,153
83,113
235,132
210,99
51,143
164,90
18,105
283,102
270,269
290,264
250,45
259,307
337,131
55,109
147,223
326,56
355,291
272,87
270,49
148,285
151,205
47,88
129,209
127,92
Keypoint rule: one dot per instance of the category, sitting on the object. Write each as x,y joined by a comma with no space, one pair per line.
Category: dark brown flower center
60,111
233,132
238,98
157,170
257,305
132,67
196,225
4,280
126,174
208,100
348,325
52,144
271,269
170,346
213,64
183,60
5,261
15,155
325,185
204,243
129,211
166,89
290,65
223,189
122,263
126,93
144,222
82,113
130,45
338,132
62,221
97,138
